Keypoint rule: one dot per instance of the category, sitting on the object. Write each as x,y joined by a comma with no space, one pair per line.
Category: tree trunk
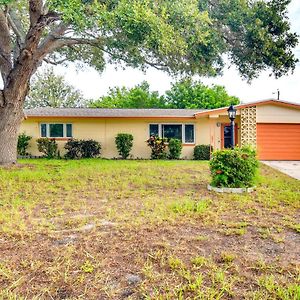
8,143
11,116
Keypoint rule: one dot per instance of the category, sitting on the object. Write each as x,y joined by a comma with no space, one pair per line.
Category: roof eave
111,117
244,105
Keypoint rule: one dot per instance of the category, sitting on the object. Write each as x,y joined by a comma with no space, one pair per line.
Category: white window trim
48,130
182,130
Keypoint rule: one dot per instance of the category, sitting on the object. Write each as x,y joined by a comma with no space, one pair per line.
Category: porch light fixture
232,115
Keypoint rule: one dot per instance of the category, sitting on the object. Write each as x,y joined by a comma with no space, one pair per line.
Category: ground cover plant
111,229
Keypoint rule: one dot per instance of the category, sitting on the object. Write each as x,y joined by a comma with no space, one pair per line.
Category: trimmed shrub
73,149
23,142
82,149
234,168
175,148
90,148
48,147
124,143
158,147
202,152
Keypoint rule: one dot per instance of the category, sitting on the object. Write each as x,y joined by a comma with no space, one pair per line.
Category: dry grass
78,229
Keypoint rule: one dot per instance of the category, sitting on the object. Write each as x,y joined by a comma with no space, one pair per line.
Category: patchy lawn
99,229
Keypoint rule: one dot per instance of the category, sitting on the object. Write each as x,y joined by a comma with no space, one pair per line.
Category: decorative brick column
248,126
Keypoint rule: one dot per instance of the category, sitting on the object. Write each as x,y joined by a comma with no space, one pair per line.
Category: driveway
291,168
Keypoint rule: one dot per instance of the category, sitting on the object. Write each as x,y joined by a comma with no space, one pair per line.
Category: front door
226,135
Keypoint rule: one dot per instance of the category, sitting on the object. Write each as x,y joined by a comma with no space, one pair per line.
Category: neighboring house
271,125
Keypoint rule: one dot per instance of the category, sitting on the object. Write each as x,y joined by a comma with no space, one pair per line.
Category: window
43,130
154,129
183,132
56,130
69,130
189,133
172,131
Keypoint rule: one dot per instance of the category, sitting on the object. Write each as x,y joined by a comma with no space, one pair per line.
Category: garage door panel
278,141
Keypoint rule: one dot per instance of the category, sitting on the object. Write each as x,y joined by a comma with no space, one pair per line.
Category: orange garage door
278,141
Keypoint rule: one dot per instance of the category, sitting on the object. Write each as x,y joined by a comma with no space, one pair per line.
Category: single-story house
272,126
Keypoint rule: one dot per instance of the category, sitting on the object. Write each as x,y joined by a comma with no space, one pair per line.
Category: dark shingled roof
110,113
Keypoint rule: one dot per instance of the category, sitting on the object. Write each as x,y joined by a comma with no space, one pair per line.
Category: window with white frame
183,132
56,130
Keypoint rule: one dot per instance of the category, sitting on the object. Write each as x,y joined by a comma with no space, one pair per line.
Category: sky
93,85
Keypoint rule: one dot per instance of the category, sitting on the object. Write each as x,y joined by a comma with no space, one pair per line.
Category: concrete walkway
291,168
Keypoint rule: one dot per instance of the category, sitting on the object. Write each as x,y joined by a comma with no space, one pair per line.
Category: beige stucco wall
214,126
277,114
105,131
207,131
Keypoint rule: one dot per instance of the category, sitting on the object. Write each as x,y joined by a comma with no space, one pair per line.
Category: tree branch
157,66
16,26
55,63
1,98
26,64
35,11
5,47
55,34
55,43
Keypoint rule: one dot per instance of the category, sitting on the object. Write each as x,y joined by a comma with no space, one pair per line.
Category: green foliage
180,37
23,142
50,90
73,149
234,167
194,94
202,152
5,2
183,94
124,143
90,148
48,147
175,148
158,147
82,149
184,36
139,96
139,33
257,35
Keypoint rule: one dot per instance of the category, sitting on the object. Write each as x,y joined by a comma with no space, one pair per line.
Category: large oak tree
177,36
